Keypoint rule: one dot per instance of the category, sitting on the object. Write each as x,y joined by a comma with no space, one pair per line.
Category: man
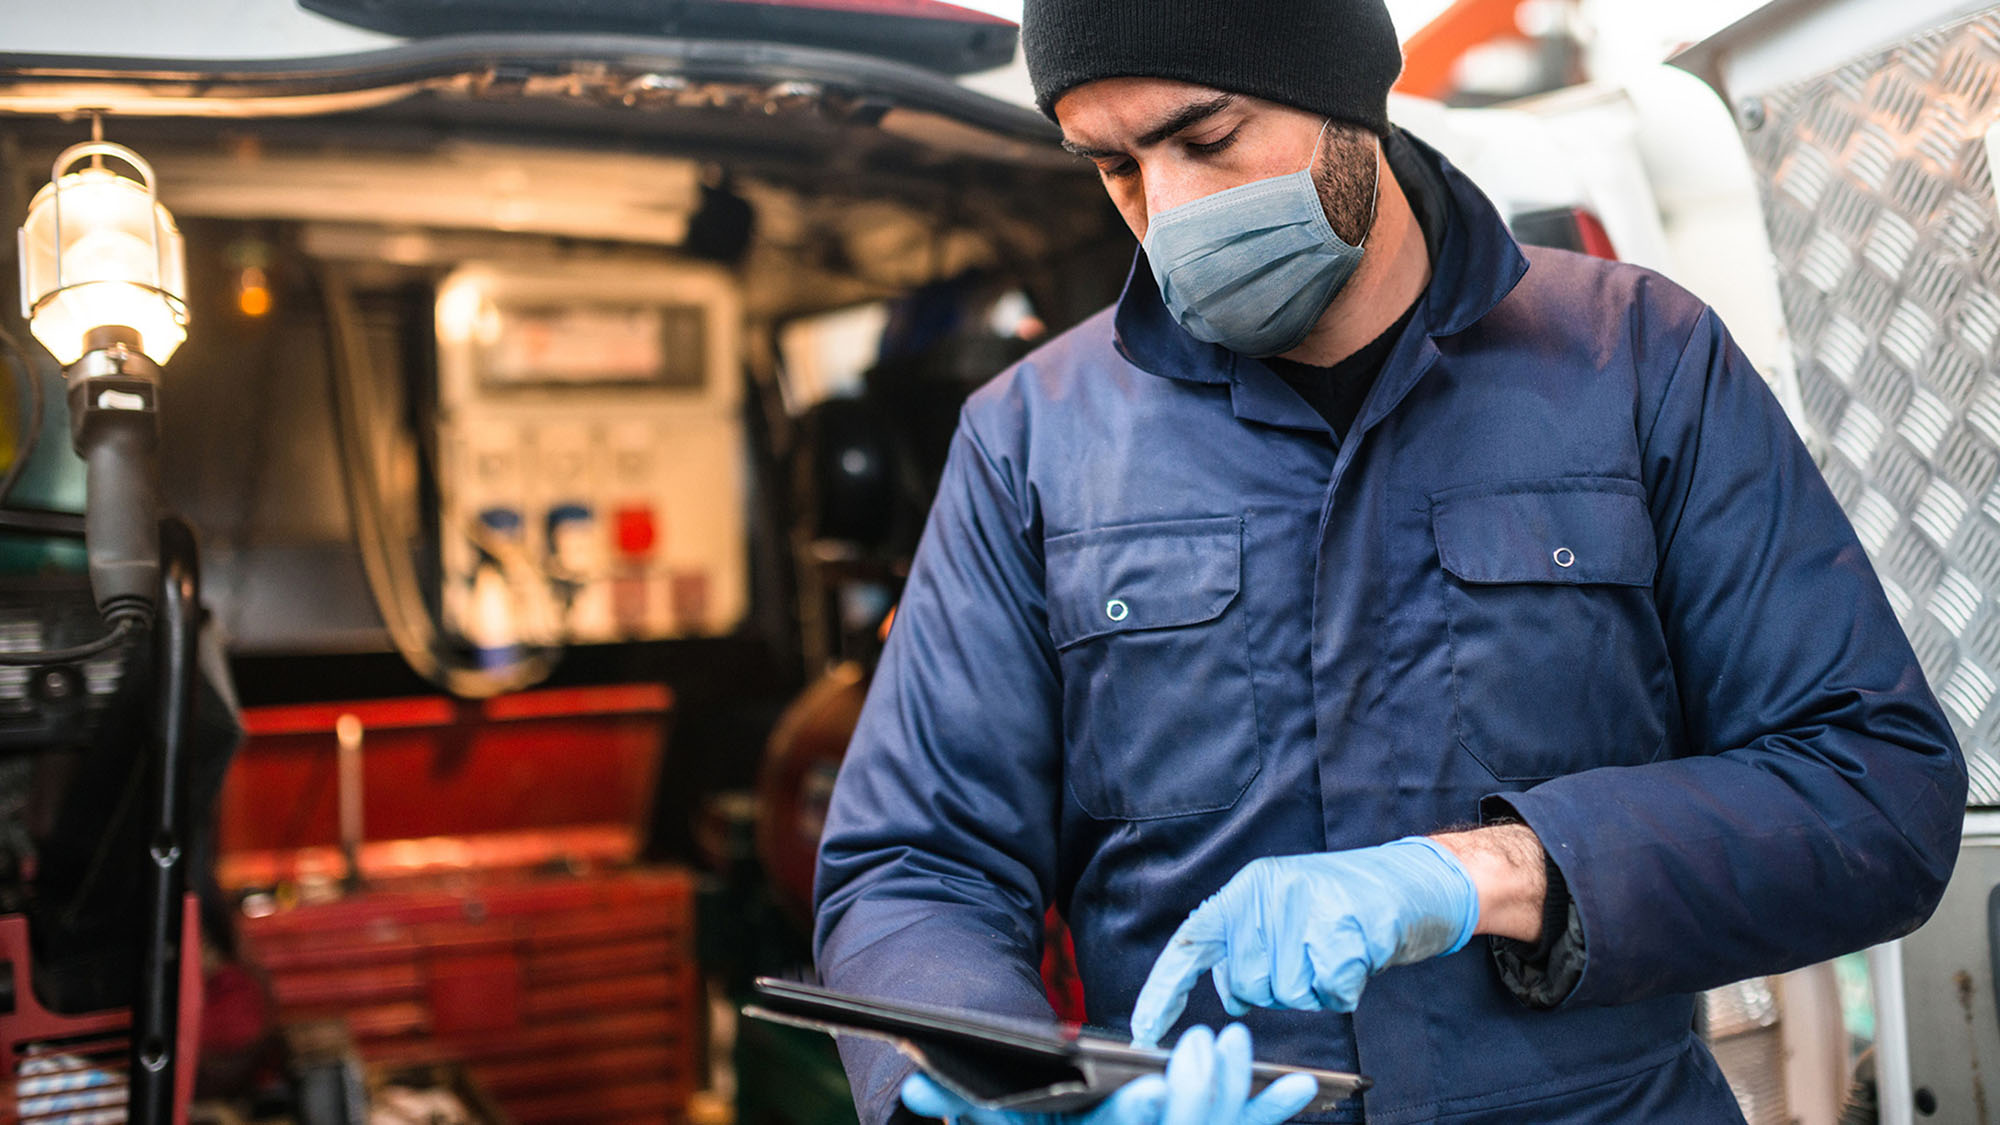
1362,583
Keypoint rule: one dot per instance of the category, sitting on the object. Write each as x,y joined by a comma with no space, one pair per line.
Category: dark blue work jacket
1162,624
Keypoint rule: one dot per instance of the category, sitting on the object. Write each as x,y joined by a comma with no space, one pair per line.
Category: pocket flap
1572,532
1142,576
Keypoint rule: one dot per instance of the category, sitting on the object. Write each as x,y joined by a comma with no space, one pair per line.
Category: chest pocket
1158,714
1558,662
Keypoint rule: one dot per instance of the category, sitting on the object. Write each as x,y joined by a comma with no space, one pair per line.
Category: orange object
1431,55
253,300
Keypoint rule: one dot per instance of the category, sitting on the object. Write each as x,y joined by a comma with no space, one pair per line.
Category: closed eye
1210,148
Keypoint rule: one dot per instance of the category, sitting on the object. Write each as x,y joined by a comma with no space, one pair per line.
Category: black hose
121,510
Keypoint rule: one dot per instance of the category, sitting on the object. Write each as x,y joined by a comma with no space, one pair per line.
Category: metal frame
1791,40
67,159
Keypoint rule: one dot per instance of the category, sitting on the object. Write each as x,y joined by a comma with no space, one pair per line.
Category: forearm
1510,873
1676,895
944,955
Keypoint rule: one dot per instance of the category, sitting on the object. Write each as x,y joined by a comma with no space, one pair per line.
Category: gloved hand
1207,1083
1307,931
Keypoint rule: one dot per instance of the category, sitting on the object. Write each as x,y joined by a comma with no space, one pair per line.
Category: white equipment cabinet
590,453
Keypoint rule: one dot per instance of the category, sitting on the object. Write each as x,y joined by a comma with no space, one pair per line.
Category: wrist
1509,875
1453,898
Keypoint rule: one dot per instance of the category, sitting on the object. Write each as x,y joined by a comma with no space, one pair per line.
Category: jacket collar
1478,264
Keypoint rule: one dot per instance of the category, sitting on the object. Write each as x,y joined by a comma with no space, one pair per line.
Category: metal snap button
1117,610
1565,557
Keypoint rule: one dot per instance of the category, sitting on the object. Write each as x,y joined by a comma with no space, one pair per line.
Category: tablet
1001,1063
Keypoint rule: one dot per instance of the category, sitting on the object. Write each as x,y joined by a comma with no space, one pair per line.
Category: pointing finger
1196,947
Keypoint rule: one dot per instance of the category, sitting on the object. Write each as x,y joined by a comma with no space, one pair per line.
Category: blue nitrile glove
1207,1083
1307,931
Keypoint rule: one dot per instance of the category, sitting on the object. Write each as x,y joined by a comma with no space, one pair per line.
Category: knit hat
1336,58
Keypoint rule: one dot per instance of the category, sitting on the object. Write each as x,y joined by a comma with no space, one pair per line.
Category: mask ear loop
1318,141
1375,201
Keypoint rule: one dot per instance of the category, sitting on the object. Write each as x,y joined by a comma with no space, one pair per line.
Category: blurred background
563,389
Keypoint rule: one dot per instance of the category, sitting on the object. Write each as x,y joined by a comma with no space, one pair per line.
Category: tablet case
999,1063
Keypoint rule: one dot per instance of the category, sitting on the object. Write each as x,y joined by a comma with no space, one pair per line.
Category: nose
1167,189
1166,192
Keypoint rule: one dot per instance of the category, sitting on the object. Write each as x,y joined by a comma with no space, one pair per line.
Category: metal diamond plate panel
1882,216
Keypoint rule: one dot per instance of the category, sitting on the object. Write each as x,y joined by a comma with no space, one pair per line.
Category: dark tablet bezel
1000,1063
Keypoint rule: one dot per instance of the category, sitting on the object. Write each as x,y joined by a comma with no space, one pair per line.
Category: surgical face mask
1254,267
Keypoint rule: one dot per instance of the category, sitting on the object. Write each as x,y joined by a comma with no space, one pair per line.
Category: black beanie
1336,58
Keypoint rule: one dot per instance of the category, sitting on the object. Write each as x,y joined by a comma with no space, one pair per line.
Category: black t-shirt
1338,391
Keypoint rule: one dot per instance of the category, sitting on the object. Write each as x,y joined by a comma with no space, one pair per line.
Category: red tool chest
526,943
570,998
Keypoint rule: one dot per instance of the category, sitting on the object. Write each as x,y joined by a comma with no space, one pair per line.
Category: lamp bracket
97,401
112,381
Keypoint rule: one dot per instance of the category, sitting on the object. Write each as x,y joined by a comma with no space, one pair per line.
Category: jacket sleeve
939,852
1818,804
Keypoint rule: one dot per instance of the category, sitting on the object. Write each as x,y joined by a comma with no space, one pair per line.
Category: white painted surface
181,29
1660,164
1789,41
1892,1034
1712,218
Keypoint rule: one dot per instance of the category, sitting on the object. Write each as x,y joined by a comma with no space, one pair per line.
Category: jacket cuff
1541,974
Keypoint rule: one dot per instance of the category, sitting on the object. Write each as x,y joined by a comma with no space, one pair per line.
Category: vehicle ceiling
866,178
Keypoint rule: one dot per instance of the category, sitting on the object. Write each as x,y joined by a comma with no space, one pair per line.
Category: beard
1346,177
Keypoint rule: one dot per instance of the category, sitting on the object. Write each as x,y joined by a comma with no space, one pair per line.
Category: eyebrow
1185,117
